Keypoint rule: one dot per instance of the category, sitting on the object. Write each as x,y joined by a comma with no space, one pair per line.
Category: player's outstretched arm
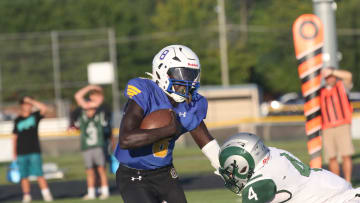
207,144
131,136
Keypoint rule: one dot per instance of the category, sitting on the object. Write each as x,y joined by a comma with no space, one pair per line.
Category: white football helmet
176,65
238,157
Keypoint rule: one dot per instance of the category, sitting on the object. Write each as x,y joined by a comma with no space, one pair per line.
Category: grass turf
186,160
195,196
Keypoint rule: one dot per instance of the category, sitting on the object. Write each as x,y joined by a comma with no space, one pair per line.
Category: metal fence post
115,86
56,71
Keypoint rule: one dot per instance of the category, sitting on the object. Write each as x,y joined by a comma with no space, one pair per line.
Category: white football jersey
295,182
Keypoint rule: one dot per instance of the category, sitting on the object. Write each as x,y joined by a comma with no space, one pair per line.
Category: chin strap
176,97
211,151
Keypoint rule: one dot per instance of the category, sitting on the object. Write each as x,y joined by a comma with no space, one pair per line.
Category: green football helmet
238,157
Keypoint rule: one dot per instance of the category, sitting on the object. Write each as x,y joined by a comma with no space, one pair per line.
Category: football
156,119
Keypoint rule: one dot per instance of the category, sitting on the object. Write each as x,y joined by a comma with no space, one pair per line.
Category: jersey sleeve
203,107
136,90
260,191
199,113
38,116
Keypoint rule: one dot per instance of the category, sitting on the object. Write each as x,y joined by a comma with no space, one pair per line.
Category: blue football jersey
151,97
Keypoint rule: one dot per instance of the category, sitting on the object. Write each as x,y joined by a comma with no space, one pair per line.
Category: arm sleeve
263,190
211,151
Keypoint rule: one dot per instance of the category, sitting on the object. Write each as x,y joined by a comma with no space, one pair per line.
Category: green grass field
196,196
186,160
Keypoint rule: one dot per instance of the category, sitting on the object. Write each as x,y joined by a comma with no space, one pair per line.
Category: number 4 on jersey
263,190
252,194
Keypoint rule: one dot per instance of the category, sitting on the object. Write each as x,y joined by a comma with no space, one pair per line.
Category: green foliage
276,63
348,17
264,54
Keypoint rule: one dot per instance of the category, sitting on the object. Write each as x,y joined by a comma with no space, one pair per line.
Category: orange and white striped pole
308,41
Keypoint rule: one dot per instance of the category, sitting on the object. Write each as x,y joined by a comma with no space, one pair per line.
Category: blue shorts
30,164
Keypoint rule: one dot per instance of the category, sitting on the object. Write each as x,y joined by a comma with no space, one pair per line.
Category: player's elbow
125,142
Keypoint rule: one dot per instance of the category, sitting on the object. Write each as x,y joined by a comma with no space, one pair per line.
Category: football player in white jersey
265,174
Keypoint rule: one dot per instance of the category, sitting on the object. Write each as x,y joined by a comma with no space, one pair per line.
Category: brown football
156,119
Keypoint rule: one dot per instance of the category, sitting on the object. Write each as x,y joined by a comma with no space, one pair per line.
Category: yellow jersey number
160,148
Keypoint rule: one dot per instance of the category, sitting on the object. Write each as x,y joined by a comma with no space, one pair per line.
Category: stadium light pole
325,10
56,71
223,43
115,86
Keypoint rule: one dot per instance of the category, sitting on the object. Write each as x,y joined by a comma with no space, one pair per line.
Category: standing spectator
27,147
109,140
337,115
91,123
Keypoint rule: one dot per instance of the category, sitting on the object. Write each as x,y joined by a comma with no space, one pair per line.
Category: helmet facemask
239,155
183,82
237,167
232,177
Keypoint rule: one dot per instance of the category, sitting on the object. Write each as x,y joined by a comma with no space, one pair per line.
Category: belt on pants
143,172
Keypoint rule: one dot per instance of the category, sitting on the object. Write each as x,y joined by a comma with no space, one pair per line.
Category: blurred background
47,45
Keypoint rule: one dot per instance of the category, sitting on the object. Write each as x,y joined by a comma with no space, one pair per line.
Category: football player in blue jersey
146,172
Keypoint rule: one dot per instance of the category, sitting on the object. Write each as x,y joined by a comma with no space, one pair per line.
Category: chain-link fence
52,66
